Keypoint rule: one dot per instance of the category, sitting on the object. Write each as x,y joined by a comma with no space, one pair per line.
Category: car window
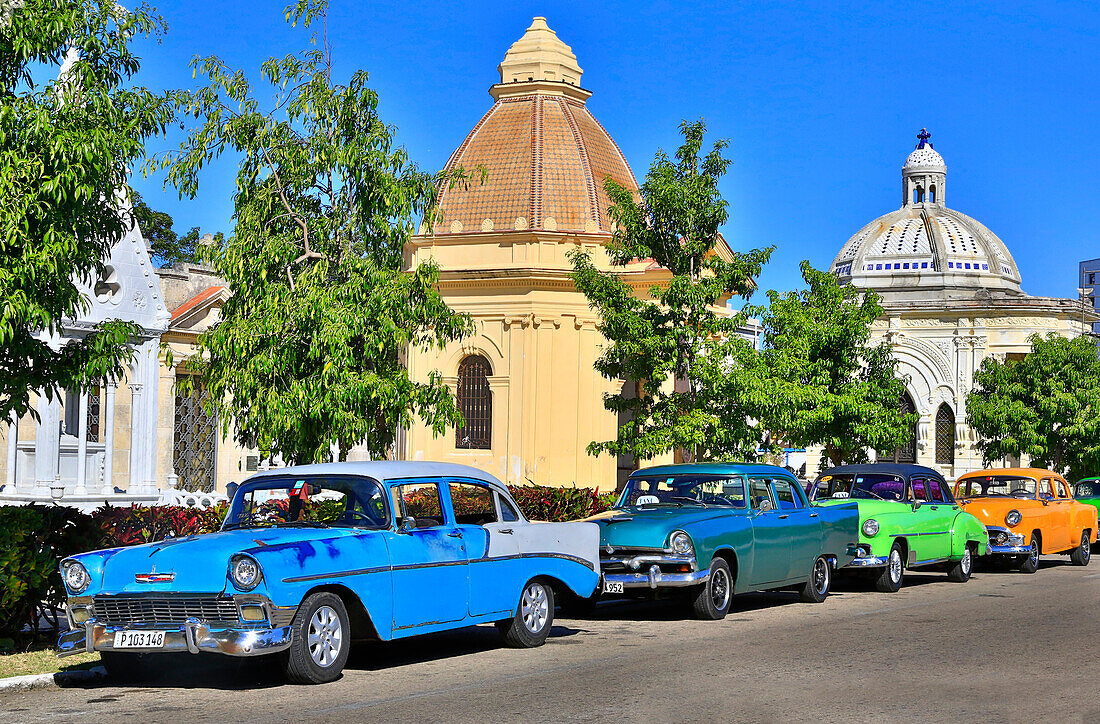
419,501
934,492
684,489
1088,489
1063,489
786,495
508,514
945,490
473,504
761,494
920,490
307,500
1046,488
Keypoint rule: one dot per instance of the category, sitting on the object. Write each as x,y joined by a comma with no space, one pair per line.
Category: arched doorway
475,402
945,435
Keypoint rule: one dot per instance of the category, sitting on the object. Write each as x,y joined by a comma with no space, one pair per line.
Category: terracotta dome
546,157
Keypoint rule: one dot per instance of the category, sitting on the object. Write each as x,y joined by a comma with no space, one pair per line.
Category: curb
44,681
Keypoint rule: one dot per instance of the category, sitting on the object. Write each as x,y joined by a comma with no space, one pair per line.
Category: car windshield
1087,489
1001,486
726,491
860,486
308,501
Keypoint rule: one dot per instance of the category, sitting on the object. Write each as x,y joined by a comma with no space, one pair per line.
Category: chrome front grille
167,610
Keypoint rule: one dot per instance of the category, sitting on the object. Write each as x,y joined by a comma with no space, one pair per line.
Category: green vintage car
908,519
712,530
1087,491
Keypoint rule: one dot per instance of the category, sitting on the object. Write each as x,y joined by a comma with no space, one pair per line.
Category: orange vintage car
1027,512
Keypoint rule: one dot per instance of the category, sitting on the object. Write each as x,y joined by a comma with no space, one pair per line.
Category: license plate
139,639
612,586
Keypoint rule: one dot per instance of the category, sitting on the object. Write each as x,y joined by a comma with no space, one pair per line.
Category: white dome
924,245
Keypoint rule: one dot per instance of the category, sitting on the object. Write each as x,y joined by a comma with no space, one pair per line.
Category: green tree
309,350
819,381
1045,406
680,346
165,245
65,147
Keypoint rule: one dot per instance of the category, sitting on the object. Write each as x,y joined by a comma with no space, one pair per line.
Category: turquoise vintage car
908,519
1087,491
719,529
310,558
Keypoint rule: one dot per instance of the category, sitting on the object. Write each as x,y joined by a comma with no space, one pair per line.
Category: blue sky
820,100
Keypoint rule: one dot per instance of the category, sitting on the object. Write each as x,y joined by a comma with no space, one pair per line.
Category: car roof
387,470
1021,472
717,467
903,469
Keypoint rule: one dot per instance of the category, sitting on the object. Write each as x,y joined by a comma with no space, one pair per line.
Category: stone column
152,411
108,427
82,446
13,440
47,444
137,439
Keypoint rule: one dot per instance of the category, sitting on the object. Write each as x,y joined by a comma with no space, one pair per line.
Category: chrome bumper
863,558
656,578
192,636
1010,544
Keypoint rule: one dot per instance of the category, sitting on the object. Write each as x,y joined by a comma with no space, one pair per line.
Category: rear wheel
889,581
712,599
1030,563
1081,554
533,619
960,572
817,587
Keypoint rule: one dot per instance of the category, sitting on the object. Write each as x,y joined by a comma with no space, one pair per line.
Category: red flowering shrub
143,524
541,502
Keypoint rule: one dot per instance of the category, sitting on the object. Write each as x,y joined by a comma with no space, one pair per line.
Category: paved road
1003,647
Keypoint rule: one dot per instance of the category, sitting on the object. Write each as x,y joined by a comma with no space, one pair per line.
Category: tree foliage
819,380
165,245
308,354
680,346
1045,406
65,149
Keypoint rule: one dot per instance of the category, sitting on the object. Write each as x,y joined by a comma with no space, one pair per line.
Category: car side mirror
916,504
406,524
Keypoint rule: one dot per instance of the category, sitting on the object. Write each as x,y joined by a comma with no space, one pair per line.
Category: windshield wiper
689,500
302,523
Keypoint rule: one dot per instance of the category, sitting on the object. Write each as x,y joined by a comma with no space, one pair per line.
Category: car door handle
455,534
813,515
784,516
505,530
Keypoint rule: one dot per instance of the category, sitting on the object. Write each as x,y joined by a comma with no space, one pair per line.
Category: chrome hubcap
325,637
1086,548
719,589
821,576
966,561
1034,552
895,566
534,608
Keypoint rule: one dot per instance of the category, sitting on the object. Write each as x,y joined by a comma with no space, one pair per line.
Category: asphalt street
1004,647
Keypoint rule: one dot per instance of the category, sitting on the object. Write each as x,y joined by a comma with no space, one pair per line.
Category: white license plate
612,586
139,639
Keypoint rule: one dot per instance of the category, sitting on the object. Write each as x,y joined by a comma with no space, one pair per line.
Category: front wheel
817,587
960,572
1030,562
889,581
533,619
319,641
1082,553
712,600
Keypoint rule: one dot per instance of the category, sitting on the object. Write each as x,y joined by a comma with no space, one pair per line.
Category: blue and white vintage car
310,558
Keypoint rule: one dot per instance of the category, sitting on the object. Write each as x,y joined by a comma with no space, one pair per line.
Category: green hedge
34,539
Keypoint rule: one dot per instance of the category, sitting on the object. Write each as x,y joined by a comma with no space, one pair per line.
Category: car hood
648,527
992,511
199,562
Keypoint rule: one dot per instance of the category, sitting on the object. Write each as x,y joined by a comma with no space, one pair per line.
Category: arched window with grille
907,453
475,402
945,435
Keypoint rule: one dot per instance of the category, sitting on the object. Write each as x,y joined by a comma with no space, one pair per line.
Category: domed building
525,382
951,294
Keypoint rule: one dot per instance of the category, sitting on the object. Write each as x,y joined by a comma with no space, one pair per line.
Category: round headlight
76,577
1013,518
680,542
245,572
870,527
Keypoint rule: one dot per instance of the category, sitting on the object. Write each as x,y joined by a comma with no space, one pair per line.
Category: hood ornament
154,577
